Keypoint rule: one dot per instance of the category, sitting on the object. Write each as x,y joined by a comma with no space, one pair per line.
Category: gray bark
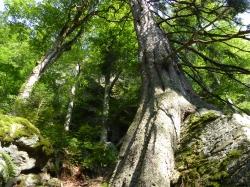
50,57
37,71
67,37
71,103
105,112
109,84
147,155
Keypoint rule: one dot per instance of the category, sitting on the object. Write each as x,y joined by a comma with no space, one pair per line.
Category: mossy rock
198,170
197,119
20,131
12,128
22,142
212,149
37,180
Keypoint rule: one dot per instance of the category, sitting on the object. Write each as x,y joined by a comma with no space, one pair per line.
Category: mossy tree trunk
147,154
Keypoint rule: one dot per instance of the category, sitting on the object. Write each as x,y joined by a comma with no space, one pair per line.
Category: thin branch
225,67
240,49
213,94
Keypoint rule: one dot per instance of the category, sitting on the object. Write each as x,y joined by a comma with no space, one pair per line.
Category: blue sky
245,17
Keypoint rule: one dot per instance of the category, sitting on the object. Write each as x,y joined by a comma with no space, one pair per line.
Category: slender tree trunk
105,112
49,58
67,37
105,115
72,97
147,154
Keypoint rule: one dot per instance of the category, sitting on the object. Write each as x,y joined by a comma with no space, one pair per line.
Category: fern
8,167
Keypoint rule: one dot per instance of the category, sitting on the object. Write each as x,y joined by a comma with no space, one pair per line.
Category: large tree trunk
147,154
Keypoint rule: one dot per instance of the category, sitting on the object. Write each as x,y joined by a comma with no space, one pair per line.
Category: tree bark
105,111
147,155
51,56
71,103
109,84
67,37
37,71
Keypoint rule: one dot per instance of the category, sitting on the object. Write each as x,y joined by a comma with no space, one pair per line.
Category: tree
107,47
147,154
16,63
188,50
72,97
78,14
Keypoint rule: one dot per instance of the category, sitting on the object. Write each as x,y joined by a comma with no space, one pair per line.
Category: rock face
31,180
214,150
22,148
21,159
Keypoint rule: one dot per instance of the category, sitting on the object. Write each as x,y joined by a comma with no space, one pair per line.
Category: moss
12,128
104,184
201,118
197,169
214,184
195,123
235,153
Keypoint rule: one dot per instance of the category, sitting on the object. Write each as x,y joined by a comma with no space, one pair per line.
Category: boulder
214,150
20,159
42,179
22,148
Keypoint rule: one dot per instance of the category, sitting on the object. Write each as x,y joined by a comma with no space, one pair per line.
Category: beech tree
78,14
147,154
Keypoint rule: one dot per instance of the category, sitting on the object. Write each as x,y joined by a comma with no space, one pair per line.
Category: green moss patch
12,128
196,168
195,123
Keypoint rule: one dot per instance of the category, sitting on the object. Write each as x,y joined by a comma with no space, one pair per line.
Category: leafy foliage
7,168
16,63
87,151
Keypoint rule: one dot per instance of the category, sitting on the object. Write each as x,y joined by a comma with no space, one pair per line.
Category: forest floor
71,182
75,178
